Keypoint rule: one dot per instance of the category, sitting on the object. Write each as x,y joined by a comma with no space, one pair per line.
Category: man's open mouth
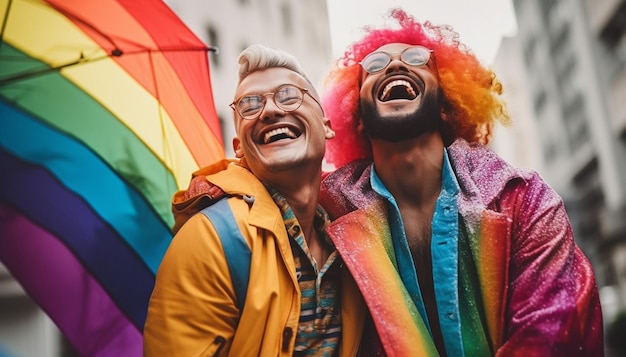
279,134
398,89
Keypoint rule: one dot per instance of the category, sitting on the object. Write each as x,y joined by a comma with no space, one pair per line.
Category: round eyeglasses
413,56
287,97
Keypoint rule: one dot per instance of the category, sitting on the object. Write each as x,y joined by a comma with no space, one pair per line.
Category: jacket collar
236,180
481,174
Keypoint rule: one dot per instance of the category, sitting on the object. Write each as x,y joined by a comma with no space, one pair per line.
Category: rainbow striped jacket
536,289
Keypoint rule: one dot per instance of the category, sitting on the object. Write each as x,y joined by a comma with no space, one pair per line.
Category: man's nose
396,64
270,109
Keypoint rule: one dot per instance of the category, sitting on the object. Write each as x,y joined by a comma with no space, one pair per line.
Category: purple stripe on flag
33,191
50,273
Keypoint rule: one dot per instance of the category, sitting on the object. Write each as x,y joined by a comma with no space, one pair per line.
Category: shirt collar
321,220
449,183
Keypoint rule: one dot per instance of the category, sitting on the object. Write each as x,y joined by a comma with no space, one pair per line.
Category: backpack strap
236,248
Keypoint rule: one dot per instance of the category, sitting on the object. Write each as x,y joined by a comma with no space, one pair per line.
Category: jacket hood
206,187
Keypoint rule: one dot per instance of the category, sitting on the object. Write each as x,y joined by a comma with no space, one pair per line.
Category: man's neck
411,169
300,189
303,203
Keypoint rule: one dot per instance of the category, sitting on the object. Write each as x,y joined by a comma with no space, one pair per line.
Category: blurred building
517,143
25,330
574,68
298,27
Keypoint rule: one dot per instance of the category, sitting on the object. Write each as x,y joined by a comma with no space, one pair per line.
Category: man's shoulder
352,171
342,189
207,187
478,168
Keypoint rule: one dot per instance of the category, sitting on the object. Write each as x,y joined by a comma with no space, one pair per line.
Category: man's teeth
395,83
277,134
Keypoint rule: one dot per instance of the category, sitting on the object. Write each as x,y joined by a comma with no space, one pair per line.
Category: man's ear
237,148
359,127
443,106
328,128
442,114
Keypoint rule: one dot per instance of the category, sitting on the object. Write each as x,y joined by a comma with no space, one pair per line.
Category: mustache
401,127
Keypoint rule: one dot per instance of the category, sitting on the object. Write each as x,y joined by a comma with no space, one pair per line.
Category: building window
547,5
590,199
540,101
549,152
285,12
213,41
558,16
560,41
620,49
529,51
576,122
568,77
243,46
615,28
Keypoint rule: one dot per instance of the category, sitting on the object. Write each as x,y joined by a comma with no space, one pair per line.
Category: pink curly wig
471,91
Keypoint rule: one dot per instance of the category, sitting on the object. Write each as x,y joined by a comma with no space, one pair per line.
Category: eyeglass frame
429,51
235,107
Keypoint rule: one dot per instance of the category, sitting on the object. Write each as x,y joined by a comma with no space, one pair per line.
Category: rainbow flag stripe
105,111
380,283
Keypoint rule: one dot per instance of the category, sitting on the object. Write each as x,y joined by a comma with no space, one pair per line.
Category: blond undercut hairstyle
258,57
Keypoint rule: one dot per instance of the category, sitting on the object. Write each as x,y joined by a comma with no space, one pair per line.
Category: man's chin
399,125
394,137
286,161
397,108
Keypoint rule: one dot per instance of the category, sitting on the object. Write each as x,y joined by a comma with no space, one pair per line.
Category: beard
423,120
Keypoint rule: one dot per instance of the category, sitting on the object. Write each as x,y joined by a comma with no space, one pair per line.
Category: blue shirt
444,251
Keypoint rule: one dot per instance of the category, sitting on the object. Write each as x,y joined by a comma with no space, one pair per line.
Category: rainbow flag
106,109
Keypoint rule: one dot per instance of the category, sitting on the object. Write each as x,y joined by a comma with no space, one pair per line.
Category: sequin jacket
537,288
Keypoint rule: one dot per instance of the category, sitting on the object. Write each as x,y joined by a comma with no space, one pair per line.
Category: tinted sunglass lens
375,62
416,56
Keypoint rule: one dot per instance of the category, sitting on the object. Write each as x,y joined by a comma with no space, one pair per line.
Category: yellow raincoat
193,310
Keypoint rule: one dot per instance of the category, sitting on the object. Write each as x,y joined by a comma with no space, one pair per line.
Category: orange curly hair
471,91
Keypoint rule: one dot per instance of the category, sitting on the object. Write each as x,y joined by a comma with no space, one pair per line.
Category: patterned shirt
319,328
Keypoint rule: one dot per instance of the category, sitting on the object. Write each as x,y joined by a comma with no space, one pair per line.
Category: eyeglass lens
413,56
287,98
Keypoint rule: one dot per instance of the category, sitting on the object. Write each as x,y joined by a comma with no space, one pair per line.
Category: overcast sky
480,23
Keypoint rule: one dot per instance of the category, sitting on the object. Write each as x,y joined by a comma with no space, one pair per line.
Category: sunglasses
413,56
287,98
